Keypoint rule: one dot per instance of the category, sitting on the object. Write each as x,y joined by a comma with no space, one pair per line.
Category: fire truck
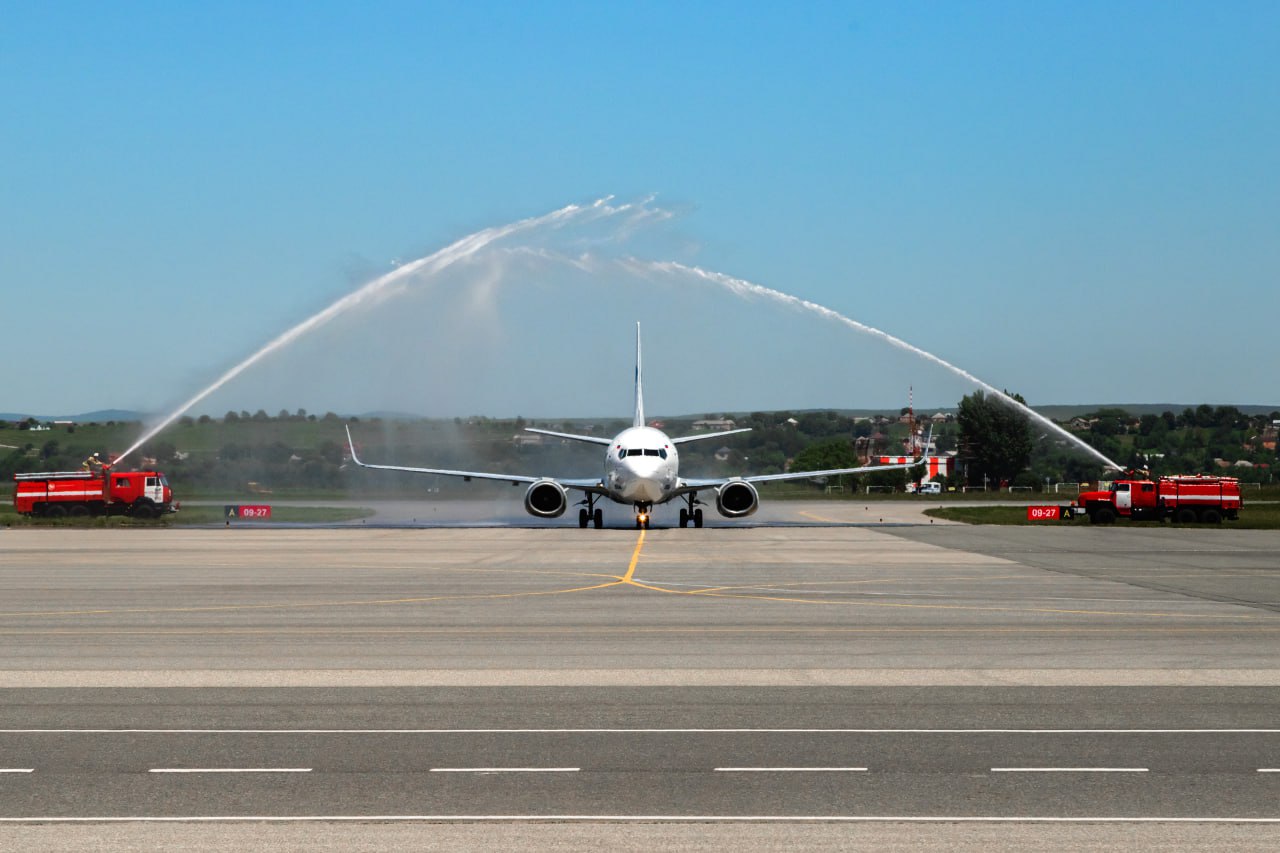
55,494
1184,499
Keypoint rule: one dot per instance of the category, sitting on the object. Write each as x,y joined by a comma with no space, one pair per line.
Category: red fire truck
1184,499
54,494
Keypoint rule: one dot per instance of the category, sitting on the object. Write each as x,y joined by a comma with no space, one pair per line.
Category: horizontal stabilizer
685,439
589,439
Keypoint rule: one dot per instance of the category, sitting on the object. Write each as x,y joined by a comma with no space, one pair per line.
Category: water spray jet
384,285
746,289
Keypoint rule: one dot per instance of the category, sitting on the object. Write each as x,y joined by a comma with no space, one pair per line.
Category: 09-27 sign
1044,513
255,511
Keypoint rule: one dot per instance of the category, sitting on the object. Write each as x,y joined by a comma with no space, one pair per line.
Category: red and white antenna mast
911,420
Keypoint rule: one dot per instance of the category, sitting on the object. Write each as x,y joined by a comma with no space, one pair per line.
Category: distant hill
100,416
1067,412
1058,412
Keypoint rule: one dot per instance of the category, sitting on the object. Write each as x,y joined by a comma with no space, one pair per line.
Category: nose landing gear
644,514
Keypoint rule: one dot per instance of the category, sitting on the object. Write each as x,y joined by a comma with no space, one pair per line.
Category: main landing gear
591,515
691,514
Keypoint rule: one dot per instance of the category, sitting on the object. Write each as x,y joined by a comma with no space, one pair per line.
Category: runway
843,672
678,753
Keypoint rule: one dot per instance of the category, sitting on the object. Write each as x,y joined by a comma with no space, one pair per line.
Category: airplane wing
693,485
585,485
684,439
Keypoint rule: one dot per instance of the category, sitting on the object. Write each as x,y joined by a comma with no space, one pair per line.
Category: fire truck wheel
55,512
1211,516
78,511
142,509
1102,515
1186,515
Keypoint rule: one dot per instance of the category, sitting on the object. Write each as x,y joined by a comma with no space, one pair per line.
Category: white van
930,489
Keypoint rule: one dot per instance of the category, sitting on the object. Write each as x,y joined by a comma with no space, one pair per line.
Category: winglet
639,418
924,459
351,445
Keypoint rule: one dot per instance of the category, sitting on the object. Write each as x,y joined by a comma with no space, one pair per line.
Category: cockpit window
623,452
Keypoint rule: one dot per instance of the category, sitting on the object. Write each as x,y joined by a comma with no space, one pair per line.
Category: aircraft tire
697,518
684,517
599,519
582,518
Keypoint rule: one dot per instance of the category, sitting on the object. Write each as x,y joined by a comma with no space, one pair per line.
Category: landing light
642,517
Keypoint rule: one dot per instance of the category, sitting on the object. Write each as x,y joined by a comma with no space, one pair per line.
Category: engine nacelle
546,499
737,499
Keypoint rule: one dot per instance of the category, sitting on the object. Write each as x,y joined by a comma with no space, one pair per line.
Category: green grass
1257,517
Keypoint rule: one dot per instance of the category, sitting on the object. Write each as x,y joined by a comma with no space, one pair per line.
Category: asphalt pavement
822,668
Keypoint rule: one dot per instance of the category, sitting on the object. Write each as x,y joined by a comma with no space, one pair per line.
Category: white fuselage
641,467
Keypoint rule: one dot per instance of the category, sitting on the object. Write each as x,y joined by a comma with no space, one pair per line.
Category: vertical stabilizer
639,418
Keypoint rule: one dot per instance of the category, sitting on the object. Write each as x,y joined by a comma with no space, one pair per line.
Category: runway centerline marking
1069,770
229,770
504,770
32,770
791,770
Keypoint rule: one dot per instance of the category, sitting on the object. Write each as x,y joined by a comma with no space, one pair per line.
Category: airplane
641,468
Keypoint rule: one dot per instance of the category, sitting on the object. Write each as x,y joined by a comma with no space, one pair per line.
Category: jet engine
737,499
546,499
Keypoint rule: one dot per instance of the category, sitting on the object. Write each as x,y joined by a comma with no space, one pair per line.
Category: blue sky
1075,201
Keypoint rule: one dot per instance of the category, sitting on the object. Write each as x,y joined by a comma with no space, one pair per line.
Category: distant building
714,424
939,466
